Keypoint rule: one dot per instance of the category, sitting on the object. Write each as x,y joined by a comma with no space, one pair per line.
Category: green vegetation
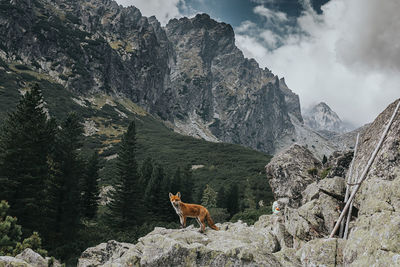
164,161
10,235
325,172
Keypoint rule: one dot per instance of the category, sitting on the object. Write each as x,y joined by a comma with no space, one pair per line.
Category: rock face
219,92
189,73
323,119
297,236
290,172
375,235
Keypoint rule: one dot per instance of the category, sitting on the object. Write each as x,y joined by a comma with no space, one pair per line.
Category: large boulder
290,172
33,258
236,244
375,235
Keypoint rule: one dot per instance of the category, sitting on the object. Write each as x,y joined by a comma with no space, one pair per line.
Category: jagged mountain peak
323,119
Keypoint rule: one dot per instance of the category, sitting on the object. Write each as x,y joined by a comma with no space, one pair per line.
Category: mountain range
189,74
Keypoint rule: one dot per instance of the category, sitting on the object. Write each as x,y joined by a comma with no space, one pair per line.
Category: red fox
185,210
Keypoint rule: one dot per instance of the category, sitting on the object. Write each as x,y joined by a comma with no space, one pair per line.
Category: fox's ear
178,194
170,195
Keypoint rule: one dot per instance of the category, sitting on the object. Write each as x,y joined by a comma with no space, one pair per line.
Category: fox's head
175,199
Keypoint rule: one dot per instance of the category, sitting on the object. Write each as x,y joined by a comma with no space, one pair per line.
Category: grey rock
235,244
104,254
310,193
339,162
322,252
33,258
287,257
374,235
7,261
275,224
334,187
290,172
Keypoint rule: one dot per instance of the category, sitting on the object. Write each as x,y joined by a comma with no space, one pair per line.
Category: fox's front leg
183,221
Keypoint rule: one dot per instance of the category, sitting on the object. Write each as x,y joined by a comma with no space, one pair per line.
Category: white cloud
164,10
348,57
272,16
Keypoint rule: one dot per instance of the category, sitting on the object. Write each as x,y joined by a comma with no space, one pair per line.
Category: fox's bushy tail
210,222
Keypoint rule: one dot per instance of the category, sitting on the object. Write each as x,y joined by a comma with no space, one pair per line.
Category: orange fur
198,212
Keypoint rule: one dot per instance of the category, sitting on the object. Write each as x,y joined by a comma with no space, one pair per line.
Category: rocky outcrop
290,172
375,236
235,244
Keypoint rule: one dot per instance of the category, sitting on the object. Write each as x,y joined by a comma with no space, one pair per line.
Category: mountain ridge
98,46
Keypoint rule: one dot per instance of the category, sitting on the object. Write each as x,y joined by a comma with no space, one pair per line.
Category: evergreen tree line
45,181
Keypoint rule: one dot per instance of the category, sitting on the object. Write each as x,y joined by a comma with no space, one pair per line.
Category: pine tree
26,140
66,178
127,205
209,199
176,184
233,200
157,195
10,231
90,195
146,171
187,185
221,198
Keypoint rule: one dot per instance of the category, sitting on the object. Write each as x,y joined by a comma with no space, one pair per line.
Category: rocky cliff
190,73
298,235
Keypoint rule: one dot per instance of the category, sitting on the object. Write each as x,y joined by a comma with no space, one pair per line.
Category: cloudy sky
343,52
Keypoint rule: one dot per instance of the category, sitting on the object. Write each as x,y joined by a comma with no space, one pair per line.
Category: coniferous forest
50,187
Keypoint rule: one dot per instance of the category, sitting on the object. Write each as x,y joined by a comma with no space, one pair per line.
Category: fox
184,210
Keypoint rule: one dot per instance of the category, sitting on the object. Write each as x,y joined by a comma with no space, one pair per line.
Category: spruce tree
90,195
127,205
187,185
66,179
221,198
157,195
146,171
26,139
176,184
233,200
209,199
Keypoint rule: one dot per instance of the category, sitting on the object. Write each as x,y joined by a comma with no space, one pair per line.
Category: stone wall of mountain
189,73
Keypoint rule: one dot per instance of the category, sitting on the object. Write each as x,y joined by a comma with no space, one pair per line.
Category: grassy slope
224,164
